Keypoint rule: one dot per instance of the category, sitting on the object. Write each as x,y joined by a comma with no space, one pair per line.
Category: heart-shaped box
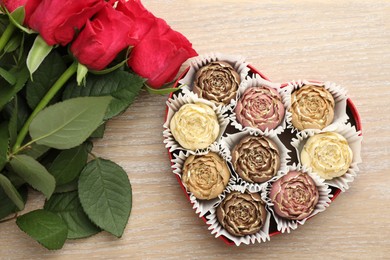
250,71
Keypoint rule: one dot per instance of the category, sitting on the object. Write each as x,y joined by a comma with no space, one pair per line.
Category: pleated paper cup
237,62
174,104
287,225
255,82
230,141
217,230
354,140
201,207
339,95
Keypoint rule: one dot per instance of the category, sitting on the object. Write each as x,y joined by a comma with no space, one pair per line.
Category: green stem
6,35
43,103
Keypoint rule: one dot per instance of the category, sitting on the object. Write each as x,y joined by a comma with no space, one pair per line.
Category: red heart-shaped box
354,119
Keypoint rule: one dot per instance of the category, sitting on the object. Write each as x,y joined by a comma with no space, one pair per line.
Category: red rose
161,50
143,19
159,55
57,20
29,7
103,38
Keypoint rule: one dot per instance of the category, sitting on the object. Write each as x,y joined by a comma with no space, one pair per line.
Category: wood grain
347,42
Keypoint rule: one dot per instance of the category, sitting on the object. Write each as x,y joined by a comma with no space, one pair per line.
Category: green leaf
109,70
68,164
99,132
7,207
37,54
45,227
68,207
17,18
68,124
82,71
71,186
34,174
161,91
45,76
4,139
6,94
105,194
15,179
17,111
9,77
11,192
13,43
89,146
18,15
121,85
13,123
36,151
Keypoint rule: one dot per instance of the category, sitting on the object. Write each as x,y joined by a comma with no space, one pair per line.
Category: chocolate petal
256,159
294,195
260,107
217,82
242,213
206,176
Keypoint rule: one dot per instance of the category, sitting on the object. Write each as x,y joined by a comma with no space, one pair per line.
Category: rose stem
43,103
6,35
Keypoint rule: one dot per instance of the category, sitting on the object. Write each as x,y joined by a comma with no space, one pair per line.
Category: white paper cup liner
339,94
257,81
237,62
218,230
286,225
201,207
174,105
230,141
354,141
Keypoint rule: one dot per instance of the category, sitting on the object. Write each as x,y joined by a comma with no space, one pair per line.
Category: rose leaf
11,192
33,173
68,207
7,206
68,124
45,227
4,139
121,85
105,195
68,164
45,76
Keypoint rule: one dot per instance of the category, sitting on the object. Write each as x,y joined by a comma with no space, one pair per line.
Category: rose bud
294,195
217,82
256,159
206,176
57,20
328,154
312,107
260,107
242,214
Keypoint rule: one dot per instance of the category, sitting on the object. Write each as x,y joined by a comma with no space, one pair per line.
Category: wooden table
347,42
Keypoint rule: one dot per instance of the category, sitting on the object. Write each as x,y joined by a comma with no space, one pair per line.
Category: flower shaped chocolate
260,107
256,159
328,154
195,126
206,176
242,213
312,108
294,195
217,82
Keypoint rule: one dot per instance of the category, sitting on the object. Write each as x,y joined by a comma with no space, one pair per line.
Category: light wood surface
347,42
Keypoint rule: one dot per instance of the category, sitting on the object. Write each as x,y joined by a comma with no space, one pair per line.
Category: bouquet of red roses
66,67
